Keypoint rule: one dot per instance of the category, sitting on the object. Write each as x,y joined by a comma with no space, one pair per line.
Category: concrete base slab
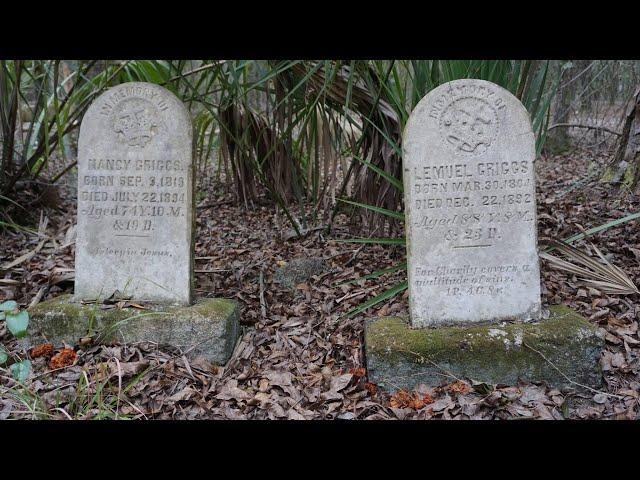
399,357
209,327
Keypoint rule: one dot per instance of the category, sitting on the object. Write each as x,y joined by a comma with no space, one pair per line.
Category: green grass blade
377,274
613,223
381,241
380,210
391,292
389,178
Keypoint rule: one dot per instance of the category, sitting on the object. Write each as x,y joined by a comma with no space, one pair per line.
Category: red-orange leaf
44,350
63,358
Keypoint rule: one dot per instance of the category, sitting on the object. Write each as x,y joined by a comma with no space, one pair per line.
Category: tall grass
407,84
301,132
320,133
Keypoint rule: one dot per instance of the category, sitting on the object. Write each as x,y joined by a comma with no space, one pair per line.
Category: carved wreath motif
135,121
469,125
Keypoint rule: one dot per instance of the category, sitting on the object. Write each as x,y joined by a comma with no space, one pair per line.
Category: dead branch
589,127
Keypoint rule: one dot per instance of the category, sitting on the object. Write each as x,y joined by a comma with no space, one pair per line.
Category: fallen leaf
458,387
64,358
44,350
340,382
184,394
372,388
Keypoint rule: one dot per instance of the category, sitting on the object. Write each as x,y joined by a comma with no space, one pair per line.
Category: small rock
299,270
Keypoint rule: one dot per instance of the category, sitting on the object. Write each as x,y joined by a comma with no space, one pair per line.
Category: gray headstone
135,197
468,152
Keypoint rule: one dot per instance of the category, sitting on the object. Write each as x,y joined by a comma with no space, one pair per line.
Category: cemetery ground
300,357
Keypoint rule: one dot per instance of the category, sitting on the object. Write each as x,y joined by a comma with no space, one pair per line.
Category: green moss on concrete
498,353
213,307
607,175
211,324
62,318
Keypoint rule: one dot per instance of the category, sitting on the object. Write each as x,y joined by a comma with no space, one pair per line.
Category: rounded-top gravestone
468,152
135,230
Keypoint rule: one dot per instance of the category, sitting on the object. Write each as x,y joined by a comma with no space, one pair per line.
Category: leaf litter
299,357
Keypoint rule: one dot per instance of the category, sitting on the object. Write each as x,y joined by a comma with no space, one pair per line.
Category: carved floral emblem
135,121
469,125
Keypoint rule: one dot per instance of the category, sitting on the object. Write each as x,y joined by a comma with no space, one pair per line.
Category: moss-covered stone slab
399,356
209,327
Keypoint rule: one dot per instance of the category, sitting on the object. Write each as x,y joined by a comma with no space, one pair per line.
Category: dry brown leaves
299,358
415,401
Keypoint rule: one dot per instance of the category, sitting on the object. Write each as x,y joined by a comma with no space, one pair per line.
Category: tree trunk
624,169
561,111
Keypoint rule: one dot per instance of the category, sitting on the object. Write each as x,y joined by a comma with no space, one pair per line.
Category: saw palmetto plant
407,84
299,131
43,101
593,271
321,133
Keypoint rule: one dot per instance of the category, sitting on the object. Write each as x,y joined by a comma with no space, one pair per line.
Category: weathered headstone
468,152
470,207
135,197
135,233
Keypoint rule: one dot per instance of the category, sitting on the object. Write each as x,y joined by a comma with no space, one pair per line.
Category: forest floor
300,357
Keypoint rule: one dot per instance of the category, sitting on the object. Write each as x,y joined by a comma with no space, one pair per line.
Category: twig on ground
353,257
589,127
263,304
568,379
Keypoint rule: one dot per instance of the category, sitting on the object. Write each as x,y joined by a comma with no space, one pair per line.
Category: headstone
468,152
135,229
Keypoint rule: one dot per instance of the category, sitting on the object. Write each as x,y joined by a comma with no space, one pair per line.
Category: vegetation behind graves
303,132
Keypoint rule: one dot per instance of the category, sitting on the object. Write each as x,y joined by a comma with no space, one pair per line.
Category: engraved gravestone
135,197
468,152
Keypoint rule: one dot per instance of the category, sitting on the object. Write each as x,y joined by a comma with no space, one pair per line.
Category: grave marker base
207,328
400,357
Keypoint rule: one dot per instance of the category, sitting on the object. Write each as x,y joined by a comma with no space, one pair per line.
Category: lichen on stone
486,353
211,324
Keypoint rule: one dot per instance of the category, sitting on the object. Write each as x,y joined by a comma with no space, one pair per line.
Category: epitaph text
135,197
468,152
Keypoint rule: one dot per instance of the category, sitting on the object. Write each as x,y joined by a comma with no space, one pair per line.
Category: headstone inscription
468,152
135,233
135,229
